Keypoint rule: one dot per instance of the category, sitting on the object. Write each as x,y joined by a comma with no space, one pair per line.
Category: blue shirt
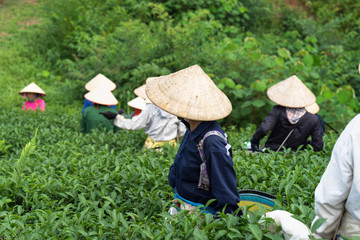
185,171
88,103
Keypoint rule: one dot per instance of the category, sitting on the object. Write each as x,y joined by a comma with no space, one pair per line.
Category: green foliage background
244,46
67,185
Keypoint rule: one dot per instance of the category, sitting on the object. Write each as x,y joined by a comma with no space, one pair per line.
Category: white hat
313,108
137,102
292,93
100,81
190,94
140,92
101,96
32,88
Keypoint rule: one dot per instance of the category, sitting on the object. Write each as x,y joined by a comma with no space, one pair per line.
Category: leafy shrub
4,147
106,185
140,39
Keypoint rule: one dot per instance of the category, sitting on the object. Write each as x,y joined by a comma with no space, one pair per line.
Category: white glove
292,228
120,117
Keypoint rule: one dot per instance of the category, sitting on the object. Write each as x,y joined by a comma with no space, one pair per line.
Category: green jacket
91,119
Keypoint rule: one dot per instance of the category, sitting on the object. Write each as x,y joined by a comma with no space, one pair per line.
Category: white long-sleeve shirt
339,187
159,125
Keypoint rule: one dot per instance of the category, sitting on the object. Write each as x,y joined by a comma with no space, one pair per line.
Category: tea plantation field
67,185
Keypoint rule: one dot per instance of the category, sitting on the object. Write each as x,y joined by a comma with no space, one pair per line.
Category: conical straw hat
313,108
137,102
292,93
32,88
140,92
100,81
190,94
101,96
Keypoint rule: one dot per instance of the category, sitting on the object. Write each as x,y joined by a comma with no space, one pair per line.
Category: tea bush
69,185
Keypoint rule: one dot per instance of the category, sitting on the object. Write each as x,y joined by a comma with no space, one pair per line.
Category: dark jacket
185,172
280,127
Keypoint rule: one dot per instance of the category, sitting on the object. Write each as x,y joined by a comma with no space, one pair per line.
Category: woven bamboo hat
137,102
292,93
100,81
32,88
313,108
101,96
190,94
140,92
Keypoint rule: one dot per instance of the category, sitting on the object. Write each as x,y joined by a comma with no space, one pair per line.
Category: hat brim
102,97
313,108
32,88
138,103
292,93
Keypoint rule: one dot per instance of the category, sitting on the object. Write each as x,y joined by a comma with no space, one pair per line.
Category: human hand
254,145
108,115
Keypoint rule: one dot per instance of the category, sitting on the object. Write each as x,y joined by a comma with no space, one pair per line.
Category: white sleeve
181,129
134,123
335,184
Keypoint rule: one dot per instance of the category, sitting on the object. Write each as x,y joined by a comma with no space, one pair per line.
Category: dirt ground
6,17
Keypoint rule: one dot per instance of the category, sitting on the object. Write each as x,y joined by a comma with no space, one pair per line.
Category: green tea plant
106,185
20,163
4,147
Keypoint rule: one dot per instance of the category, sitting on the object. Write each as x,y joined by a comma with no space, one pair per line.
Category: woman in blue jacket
203,167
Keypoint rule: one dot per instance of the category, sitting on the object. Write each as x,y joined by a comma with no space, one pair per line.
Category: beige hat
292,93
140,92
313,108
190,94
137,102
359,68
32,88
101,96
100,81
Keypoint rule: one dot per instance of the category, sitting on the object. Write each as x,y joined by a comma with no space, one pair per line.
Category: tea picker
289,122
33,93
203,167
101,100
337,195
160,126
99,81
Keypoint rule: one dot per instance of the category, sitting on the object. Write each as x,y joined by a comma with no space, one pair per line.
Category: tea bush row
106,185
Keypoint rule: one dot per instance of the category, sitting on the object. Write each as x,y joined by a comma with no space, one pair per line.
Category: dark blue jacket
184,173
